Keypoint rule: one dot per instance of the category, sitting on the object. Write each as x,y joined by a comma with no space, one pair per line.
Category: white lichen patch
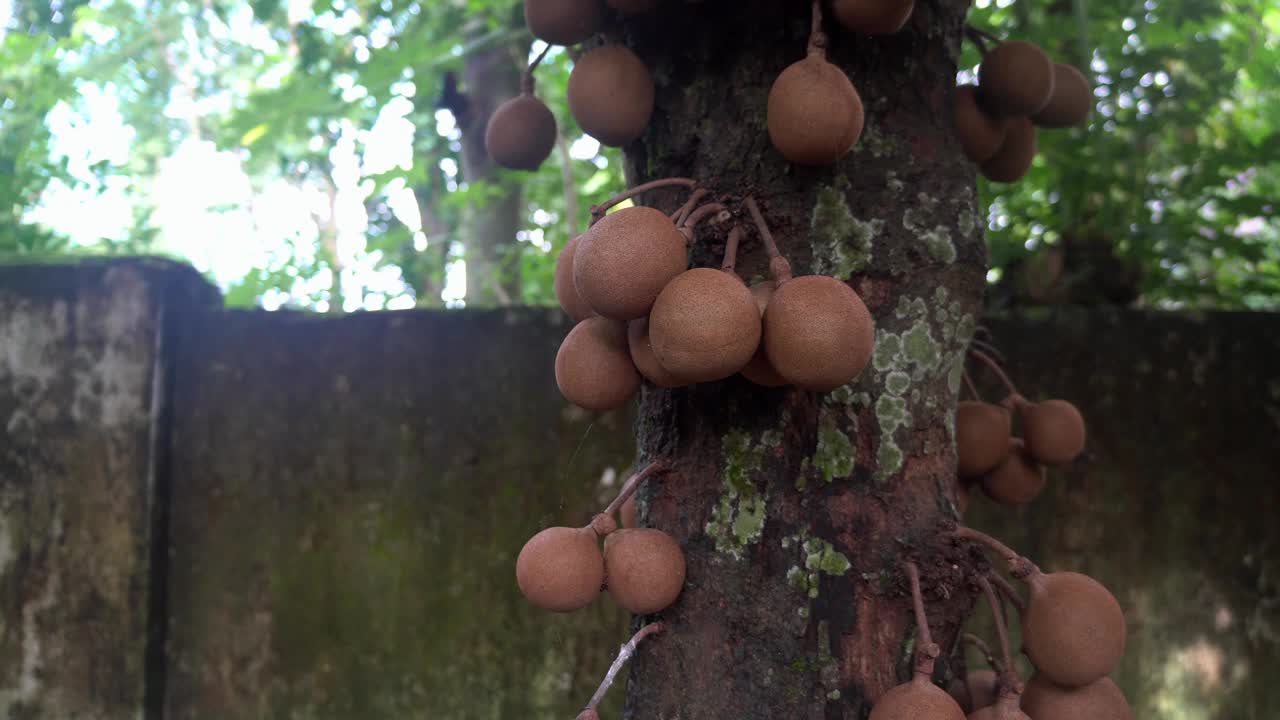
738,518
842,243
931,345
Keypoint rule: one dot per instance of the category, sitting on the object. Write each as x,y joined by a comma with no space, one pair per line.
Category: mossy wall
340,502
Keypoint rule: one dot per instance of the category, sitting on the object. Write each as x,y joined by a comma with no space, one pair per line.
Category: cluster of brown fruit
610,90
562,569
1073,632
642,314
1019,88
1010,469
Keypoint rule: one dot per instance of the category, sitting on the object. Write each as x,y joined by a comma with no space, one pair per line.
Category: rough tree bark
795,508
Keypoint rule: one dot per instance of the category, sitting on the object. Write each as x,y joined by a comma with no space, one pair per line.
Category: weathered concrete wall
1176,505
80,373
349,497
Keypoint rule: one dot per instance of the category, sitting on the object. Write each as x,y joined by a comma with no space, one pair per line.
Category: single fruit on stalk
818,333
563,22
1012,161
521,133
759,370
705,325
594,368
626,259
566,292
814,113
1054,430
1071,101
645,359
916,699
1073,630
644,569
1016,78
873,17
560,569
1099,700
611,95
982,437
980,133
1017,480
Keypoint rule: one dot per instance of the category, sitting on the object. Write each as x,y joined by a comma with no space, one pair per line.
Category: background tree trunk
491,76
794,509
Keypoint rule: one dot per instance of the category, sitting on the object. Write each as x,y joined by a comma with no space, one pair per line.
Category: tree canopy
311,153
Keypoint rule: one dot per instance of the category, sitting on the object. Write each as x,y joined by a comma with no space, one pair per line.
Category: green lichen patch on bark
738,518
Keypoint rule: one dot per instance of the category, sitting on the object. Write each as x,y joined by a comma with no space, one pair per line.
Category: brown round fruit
814,114
594,368
980,133
1016,481
1071,101
705,325
759,370
978,690
1054,430
560,569
1099,700
1016,79
1073,630
521,133
566,292
633,6
1004,708
563,22
626,259
916,699
1014,158
627,512
982,437
818,333
644,569
643,356
873,17
611,95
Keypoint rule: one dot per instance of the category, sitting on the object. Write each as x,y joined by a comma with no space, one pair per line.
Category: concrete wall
335,504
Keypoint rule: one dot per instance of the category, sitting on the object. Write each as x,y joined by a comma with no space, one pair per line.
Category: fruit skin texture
1099,700
874,17
976,691
982,437
560,569
521,133
1071,101
566,292
1016,78
980,133
625,261
1054,431
594,368
643,356
814,113
917,699
644,569
1016,481
817,332
611,95
705,325
1014,158
563,22
759,370
1073,630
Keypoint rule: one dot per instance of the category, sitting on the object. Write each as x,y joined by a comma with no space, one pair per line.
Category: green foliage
1177,169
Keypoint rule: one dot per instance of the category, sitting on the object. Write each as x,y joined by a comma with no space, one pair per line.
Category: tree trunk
491,77
795,509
